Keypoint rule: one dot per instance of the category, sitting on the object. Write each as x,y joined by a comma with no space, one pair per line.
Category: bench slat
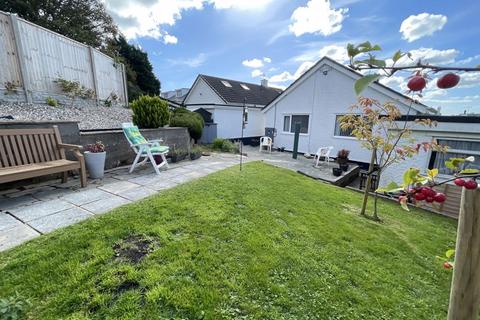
9,152
21,148
31,141
38,147
36,169
13,143
56,151
48,150
3,154
28,151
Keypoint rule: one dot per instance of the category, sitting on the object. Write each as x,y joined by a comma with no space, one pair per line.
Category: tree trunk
369,182
465,290
375,212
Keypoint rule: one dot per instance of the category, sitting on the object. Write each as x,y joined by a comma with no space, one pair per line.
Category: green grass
266,243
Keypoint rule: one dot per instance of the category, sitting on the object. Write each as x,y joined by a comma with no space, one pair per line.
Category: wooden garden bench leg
64,177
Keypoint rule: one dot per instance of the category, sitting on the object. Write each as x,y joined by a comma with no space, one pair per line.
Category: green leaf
454,163
470,171
450,253
362,83
397,56
391,187
410,176
432,173
351,50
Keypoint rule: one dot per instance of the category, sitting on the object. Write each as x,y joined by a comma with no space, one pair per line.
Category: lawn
266,243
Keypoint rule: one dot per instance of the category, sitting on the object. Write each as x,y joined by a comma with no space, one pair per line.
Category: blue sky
243,39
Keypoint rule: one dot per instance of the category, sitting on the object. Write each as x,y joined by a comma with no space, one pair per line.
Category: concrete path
33,210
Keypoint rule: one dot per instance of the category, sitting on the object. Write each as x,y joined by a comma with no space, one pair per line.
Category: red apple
420,196
459,182
429,199
471,184
440,197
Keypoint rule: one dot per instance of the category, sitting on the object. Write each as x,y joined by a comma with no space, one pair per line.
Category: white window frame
291,119
449,150
244,86
226,83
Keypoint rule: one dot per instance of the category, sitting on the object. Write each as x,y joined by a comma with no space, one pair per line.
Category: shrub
191,120
51,102
150,112
224,145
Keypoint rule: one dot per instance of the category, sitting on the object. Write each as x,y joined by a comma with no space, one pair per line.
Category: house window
286,124
226,84
290,121
339,132
244,86
456,149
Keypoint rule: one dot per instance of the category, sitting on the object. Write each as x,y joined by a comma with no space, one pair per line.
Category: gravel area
89,117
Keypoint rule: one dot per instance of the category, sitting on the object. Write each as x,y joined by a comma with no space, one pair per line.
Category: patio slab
15,236
8,222
82,196
105,205
40,209
59,220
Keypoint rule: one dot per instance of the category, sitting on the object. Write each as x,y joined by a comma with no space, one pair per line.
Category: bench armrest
156,140
70,146
76,149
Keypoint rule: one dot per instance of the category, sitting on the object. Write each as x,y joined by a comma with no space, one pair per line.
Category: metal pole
295,140
243,127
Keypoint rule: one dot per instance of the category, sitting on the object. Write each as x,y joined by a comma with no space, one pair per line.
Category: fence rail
32,57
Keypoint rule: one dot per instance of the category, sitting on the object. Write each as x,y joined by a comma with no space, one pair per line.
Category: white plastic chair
266,142
144,148
323,152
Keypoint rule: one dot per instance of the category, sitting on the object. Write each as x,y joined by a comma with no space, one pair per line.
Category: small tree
150,112
376,126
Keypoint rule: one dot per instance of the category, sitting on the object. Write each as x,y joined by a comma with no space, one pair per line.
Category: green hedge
150,112
182,117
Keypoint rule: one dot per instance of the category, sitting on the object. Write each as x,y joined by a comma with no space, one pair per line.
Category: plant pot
337,172
344,166
95,162
341,161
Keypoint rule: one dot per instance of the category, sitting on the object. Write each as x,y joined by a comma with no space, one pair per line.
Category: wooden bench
29,153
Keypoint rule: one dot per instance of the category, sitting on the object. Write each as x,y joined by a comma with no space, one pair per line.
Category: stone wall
119,151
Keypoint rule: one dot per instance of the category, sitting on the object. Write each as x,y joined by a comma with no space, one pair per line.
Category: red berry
428,192
471,184
448,81
420,196
459,182
417,83
429,199
440,197
447,265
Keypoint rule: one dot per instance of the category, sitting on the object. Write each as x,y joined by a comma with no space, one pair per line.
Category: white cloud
287,76
194,62
145,18
421,25
469,59
257,73
169,39
394,82
469,80
334,51
240,4
253,63
317,17
267,60
428,55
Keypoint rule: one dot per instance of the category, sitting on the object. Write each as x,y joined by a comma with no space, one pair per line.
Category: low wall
118,149
68,129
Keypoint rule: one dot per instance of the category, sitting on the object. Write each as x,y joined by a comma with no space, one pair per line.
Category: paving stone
82,197
104,205
181,179
119,186
11,203
137,193
8,222
60,219
145,180
40,209
15,236
52,194
162,185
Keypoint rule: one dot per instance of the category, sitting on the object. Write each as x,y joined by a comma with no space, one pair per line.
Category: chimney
264,82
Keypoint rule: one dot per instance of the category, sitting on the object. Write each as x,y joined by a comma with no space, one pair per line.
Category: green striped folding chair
144,148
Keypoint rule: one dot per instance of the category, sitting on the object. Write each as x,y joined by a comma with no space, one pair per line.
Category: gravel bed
88,117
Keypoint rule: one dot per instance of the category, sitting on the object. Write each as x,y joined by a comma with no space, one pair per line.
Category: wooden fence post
465,290
125,84
21,57
94,73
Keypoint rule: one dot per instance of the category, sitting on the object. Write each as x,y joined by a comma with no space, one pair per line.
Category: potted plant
337,172
177,155
95,159
196,153
342,159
